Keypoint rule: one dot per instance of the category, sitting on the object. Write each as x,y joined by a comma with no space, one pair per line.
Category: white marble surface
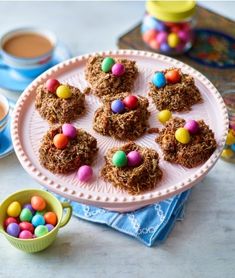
203,245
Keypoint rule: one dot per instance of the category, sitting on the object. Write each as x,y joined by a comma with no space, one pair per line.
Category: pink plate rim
116,201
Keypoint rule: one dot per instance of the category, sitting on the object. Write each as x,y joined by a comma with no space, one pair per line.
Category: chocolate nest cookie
106,83
177,94
134,180
129,125
59,110
198,150
79,151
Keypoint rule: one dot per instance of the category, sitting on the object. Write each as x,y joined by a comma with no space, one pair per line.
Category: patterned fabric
151,224
214,49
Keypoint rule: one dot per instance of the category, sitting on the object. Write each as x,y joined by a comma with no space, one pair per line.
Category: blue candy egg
38,220
150,22
159,79
117,106
144,28
233,147
164,47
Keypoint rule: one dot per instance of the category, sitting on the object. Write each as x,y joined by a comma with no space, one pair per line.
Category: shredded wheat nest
104,84
134,180
176,97
58,110
80,150
197,151
126,126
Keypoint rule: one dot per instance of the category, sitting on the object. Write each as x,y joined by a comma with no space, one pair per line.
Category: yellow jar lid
172,11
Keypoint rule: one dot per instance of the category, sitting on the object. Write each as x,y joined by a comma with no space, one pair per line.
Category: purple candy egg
164,47
118,69
84,173
192,126
134,159
161,37
50,227
117,106
13,229
25,235
29,206
69,130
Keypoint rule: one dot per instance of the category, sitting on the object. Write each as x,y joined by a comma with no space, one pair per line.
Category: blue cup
27,67
4,113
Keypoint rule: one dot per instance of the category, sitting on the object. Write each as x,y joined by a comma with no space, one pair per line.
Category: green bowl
41,243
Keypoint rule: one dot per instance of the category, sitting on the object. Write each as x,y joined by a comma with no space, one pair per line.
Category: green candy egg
107,64
40,231
119,159
26,215
40,212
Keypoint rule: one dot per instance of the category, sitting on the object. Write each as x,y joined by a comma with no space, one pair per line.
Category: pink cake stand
28,129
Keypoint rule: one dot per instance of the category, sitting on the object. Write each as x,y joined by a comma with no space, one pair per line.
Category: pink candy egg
84,173
154,44
25,234
52,85
69,130
134,159
183,35
192,126
118,69
161,37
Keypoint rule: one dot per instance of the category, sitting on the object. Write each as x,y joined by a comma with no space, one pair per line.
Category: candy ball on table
134,159
164,116
13,229
173,76
26,215
233,147
38,203
230,140
182,135
84,174
41,231
130,102
227,153
52,85
14,209
25,235
118,69
38,220
107,64
60,141
119,159
69,130
117,106
159,80
192,126
63,91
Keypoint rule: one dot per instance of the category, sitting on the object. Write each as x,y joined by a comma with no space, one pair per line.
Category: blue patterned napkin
151,224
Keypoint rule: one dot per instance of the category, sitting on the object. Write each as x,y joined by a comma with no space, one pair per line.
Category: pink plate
28,128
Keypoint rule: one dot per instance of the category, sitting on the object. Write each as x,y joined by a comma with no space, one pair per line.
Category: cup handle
68,214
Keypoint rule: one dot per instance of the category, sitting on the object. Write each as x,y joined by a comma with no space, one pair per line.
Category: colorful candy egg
26,215
38,220
131,102
60,141
154,44
164,47
42,212
230,140
161,37
151,22
84,174
69,130
49,227
63,91
14,209
119,159
227,153
149,35
173,76
10,220
159,80
182,135
107,64
29,206
40,231
50,218
118,69
117,106
38,203
25,235
192,126
183,35
164,116
26,226
134,159
173,40
233,147
13,229
52,85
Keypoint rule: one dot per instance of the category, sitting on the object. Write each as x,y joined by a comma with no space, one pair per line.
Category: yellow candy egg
227,153
63,91
173,40
230,139
182,135
164,116
14,209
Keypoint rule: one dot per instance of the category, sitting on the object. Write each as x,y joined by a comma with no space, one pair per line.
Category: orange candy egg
50,218
60,141
149,35
173,76
38,203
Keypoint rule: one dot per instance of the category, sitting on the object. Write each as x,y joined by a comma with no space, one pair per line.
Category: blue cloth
151,224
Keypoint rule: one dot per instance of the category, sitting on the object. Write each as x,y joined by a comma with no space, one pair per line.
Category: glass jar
228,95
168,26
